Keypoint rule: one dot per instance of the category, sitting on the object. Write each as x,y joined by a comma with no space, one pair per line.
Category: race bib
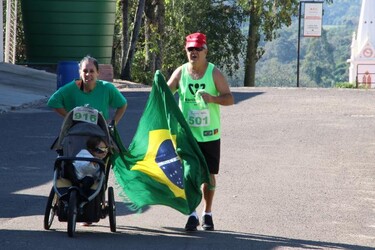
199,118
84,114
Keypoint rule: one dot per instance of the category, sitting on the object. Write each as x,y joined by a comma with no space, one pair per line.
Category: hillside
322,60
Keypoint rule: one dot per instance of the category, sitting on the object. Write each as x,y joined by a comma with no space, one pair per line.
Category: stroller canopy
72,127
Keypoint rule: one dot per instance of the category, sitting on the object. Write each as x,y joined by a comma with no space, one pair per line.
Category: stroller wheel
72,213
51,208
111,209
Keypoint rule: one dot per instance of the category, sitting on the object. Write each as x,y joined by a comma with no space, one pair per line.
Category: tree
125,36
154,34
128,54
165,25
339,34
266,17
220,20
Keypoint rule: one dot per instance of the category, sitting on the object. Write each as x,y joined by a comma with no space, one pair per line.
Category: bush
346,85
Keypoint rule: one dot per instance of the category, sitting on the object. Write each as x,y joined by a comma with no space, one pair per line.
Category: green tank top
203,119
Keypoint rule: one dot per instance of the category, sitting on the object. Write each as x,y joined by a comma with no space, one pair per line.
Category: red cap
195,40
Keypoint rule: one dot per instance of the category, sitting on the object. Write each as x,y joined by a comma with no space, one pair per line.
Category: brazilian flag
164,164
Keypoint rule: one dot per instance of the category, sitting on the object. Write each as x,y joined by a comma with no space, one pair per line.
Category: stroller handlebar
61,159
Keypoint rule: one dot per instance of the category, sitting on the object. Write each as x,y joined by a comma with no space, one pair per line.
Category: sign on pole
312,26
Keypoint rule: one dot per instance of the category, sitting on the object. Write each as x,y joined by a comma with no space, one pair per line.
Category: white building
362,60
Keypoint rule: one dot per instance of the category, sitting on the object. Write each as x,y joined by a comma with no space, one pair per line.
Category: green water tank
68,30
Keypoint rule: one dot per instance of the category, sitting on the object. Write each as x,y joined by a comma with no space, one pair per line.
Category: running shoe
192,224
207,223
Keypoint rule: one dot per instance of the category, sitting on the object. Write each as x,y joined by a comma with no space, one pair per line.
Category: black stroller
67,200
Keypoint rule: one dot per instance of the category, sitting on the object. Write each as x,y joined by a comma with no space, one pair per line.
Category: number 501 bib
199,118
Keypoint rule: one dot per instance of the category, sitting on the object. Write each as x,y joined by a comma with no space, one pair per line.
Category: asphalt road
297,172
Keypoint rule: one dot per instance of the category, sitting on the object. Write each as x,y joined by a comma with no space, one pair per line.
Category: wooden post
106,72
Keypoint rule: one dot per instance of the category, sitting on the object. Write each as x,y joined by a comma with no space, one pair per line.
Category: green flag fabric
163,164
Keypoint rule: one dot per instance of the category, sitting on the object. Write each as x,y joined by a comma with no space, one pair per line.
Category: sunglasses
190,49
101,150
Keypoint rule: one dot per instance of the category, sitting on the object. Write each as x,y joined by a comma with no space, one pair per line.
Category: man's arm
225,96
174,79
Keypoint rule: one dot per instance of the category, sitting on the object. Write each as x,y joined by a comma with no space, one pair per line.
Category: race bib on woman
85,114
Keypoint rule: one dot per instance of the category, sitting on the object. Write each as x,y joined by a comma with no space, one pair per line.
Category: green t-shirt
203,119
103,97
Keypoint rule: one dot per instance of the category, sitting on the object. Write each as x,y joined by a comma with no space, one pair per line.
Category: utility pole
10,31
1,33
299,40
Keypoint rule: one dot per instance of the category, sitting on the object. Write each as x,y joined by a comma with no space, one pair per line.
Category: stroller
67,199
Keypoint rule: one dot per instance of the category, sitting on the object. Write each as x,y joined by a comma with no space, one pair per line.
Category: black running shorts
211,152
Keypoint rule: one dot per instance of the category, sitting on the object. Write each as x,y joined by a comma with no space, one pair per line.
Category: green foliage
274,74
318,62
117,38
345,85
342,12
139,73
266,18
220,22
323,60
341,38
284,47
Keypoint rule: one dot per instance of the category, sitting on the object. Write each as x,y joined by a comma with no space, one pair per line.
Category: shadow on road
243,96
27,160
35,205
168,238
